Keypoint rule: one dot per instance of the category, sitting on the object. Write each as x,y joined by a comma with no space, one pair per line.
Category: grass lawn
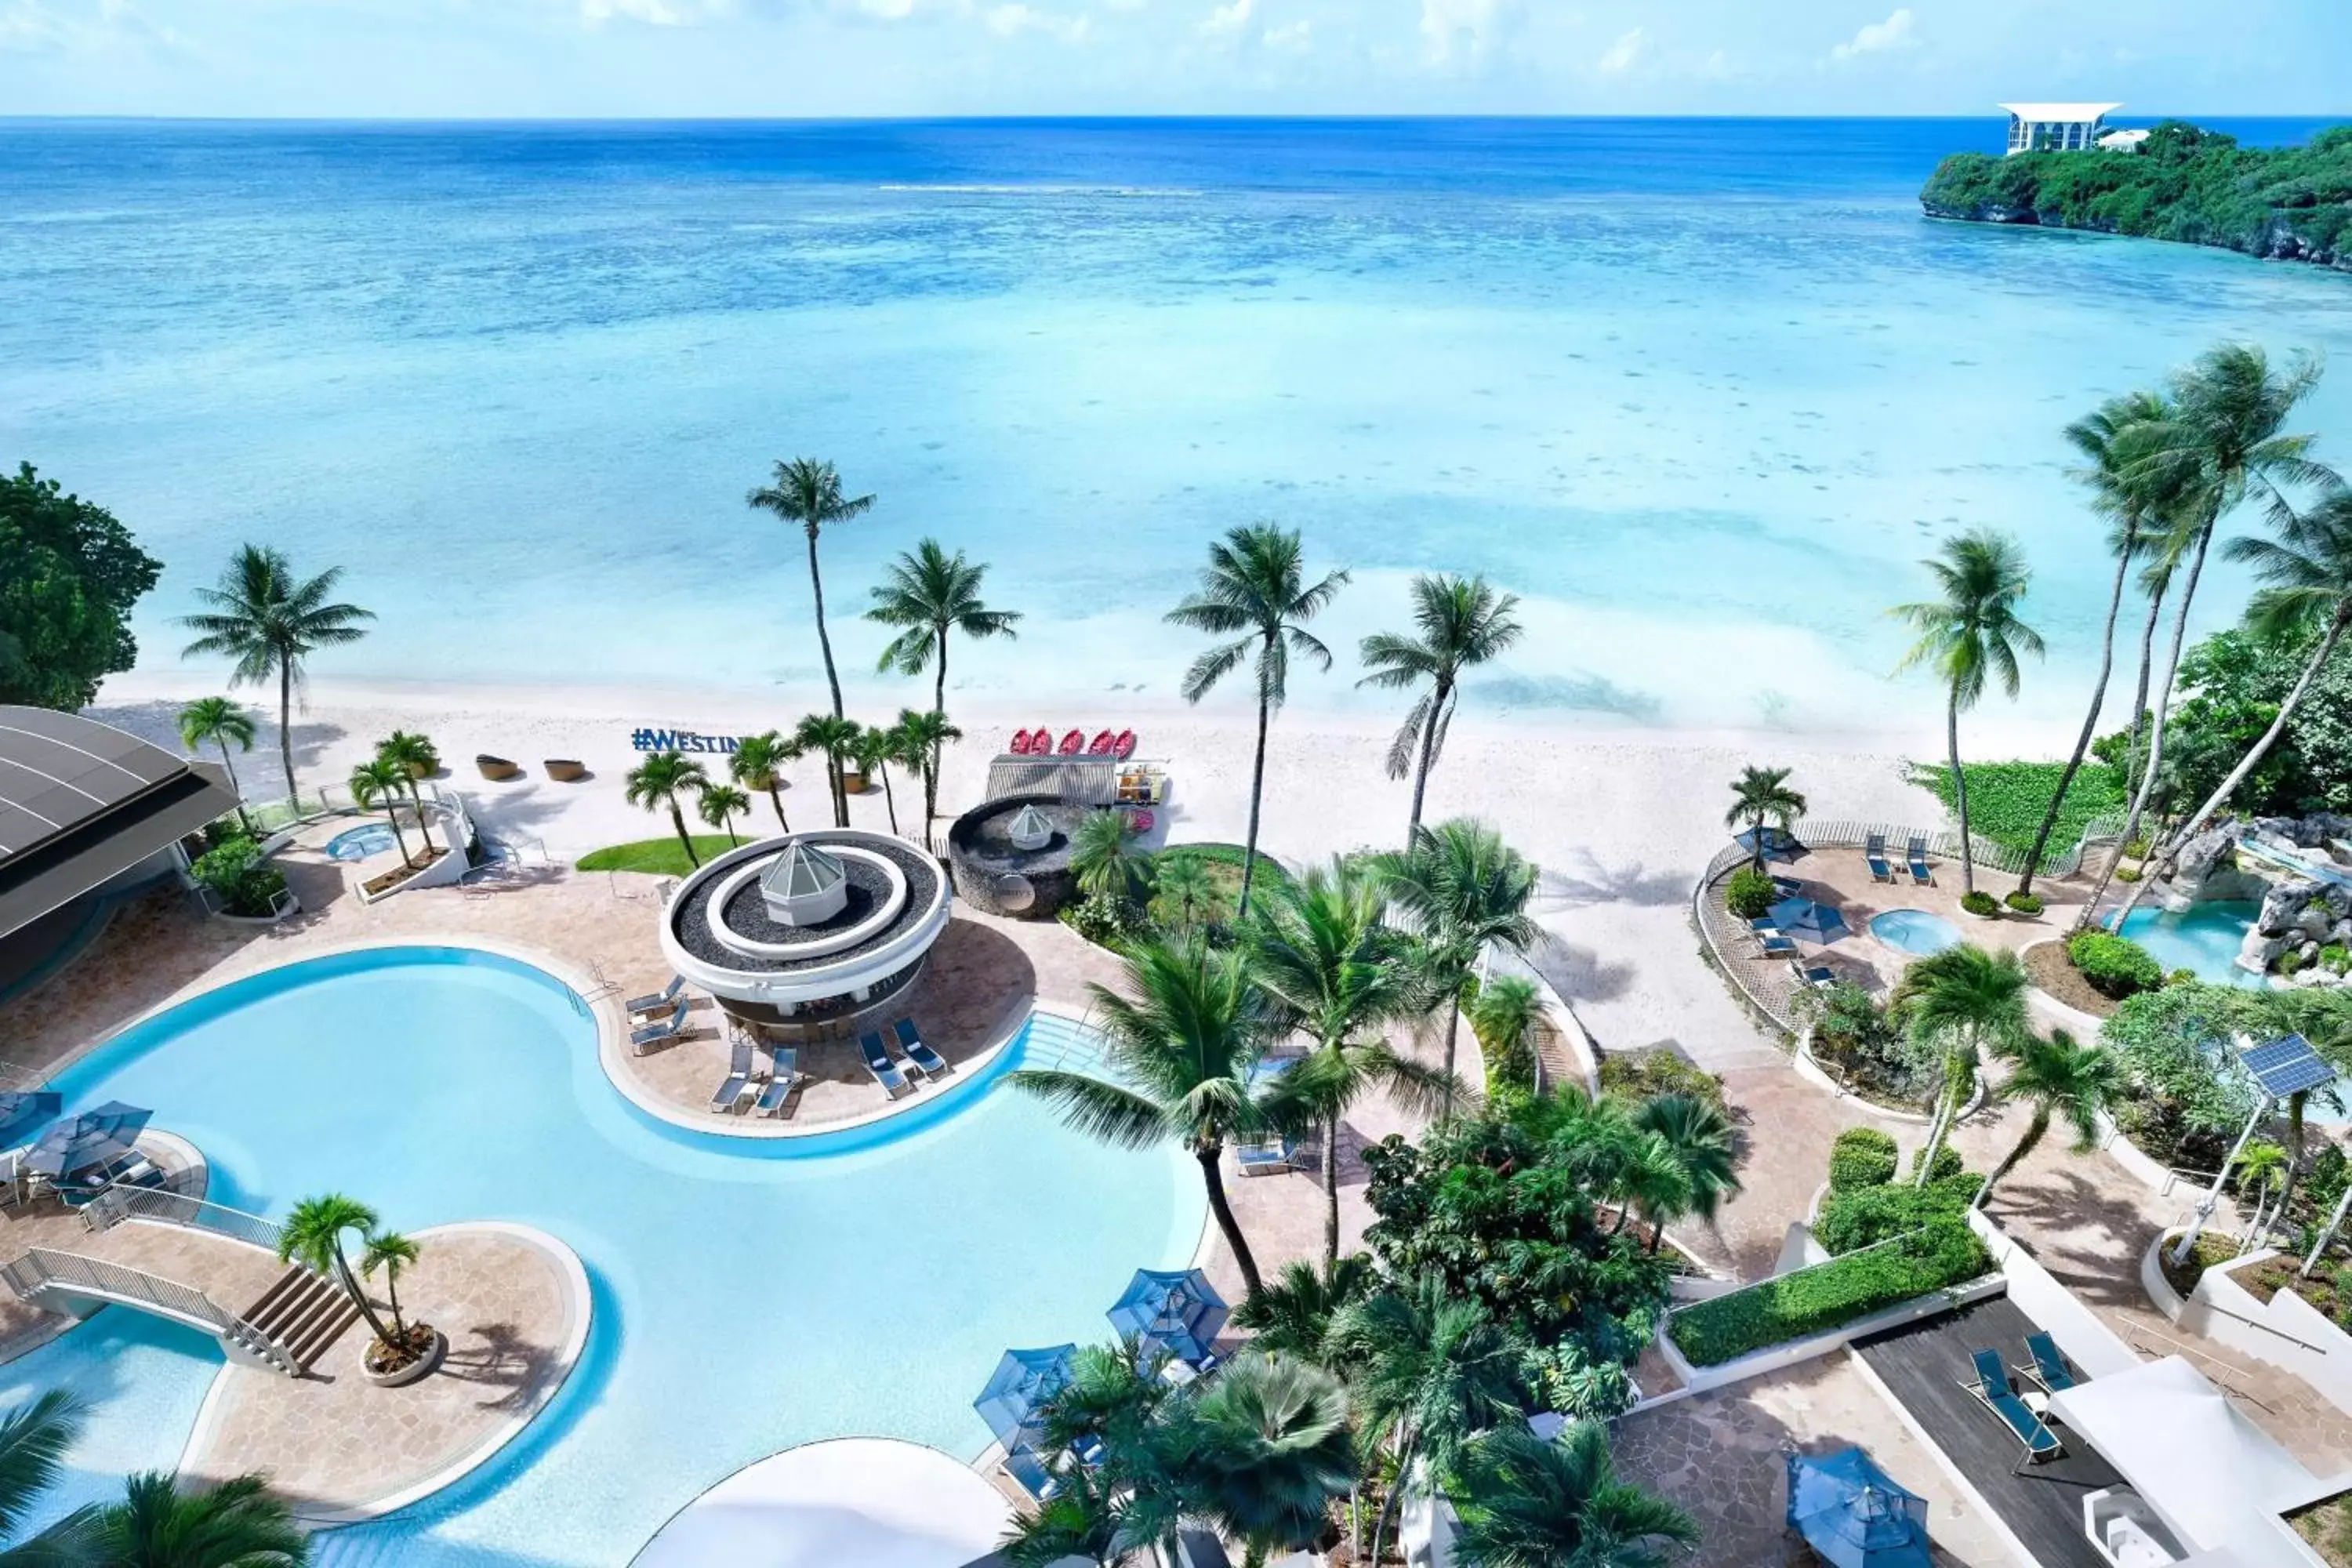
663,856
2006,799
1224,864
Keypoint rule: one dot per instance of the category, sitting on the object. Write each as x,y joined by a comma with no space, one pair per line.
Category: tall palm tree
929,594
2225,442
2058,1079
2307,571
1266,1451
931,734
659,780
808,493
269,622
236,1525
2132,506
1650,1177
35,1438
875,750
1458,888
1319,951
390,1252
1254,591
1459,623
313,1235
381,783
221,720
1961,1003
1294,1311
718,806
1971,631
1431,1371
1506,1016
1759,795
1182,1042
1528,1503
758,763
836,739
1106,860
1703,1143
414,756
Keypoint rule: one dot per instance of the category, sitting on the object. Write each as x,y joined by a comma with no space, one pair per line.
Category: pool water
359,843
748,1297
1915,931
2204,939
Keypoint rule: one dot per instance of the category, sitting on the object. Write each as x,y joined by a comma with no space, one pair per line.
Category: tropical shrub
1861,1157
1749,893
2336,958
2024,903
1646,1075
2116,966
2007,800
1867,1215
1977,901
2183,977
1864,1046
1826,1296
235,872
2177,1104
1946,1165
1106,921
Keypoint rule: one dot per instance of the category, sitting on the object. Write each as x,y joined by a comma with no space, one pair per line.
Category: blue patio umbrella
1854,1515
1175,1309
1809,922
1780,843
1023,1381
93,1138
21,1110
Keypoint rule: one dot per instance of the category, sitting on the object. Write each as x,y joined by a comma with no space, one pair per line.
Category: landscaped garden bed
1829,1295
2327,1528
376,885
2046,965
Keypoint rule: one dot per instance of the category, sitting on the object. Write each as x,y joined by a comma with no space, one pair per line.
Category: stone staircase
304,1313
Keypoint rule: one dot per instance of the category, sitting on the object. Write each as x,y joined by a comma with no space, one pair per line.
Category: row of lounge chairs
746,1088
1915,856
1993,1389
920,1060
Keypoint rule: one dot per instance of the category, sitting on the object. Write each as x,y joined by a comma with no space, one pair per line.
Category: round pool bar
810,935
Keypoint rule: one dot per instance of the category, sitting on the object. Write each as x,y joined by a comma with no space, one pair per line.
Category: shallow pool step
303,1311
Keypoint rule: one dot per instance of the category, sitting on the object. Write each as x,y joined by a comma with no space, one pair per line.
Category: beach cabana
1806,921
1022,1382
1174,1310
1780,843
94,1138
1854,1515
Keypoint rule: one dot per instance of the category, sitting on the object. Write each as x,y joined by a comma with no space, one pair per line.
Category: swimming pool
1915,930
2204,939
359,843
748,1297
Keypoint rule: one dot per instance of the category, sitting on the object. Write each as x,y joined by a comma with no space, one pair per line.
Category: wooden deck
1925,1366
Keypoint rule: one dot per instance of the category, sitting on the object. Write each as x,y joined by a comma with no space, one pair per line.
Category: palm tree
2309,572
659,780
808,493
390,1251
2058,1079
1294,1312
928,734
1084,1519
1703,1145
1185,892
220,719
2223,444
2132,507
1972,630
1432,1371
1961,1003
1528,1503
35,1438
381,783
1458,887
1507,1017
1105,860
929,594
414,756
837,738
1759,795
1459,624
1320,953
1267,1449
875,750
313,1235
758,763
236,1525
718,806
1650,1178
2261,1169
1254,591
1182,1043
269,622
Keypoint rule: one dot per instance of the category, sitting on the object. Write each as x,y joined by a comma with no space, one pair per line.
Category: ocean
1701,392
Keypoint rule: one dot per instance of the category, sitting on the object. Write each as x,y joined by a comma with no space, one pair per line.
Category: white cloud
1011,21
1292,38
1453,30
1227,20
1624,54
1716,66
1899,31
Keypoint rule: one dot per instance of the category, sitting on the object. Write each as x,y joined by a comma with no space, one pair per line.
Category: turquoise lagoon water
1703,391
2205,940
1915,930
748,1298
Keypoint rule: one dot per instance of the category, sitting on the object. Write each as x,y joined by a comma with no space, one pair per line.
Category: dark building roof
81,803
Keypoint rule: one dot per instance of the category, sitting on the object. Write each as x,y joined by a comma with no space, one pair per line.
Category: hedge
1829,1294
1749,893
1861,1157
2116,966
1867,1215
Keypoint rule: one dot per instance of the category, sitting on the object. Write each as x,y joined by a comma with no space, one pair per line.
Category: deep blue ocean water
1702,391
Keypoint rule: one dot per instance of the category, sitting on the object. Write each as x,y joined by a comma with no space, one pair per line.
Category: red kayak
1100,746
1073,742
1124,747
1041,741
1020,746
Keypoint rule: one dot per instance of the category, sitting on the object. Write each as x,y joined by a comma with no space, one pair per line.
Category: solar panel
59,771
2287,1065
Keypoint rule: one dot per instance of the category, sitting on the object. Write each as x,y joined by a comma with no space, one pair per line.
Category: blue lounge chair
933,1064
1265,1159
784,1072
653,1034
644,1005
2049,1368
1873,853
1789,886
1777,946
737,1085
1917,854
1991,1388
1818,975
1027,1470
877,1062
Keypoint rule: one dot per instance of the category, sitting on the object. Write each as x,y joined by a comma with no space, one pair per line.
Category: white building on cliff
2056,127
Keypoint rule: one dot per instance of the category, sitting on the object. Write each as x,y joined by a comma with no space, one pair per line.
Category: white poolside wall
2286,1330
2089,1343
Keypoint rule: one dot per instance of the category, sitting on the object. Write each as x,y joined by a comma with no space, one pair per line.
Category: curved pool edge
982,1511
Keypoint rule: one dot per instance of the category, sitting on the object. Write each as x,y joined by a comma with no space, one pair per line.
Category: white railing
41,1271
111,1206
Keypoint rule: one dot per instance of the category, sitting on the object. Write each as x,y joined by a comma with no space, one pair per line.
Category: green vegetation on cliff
2183,184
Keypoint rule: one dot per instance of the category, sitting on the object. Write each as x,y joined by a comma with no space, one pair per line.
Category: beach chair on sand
654,1034
933,1064
783,1073
1917,854
1991,1386
877,1062
2049,1368
737,1085
644,1007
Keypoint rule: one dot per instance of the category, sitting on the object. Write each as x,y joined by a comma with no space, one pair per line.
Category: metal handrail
43,1268
118,1203
2134,1328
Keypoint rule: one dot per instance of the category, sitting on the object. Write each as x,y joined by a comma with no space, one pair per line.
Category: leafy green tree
808,493
835,738
1704,1146
313,1235
2058,1079
1293,1312
1107,859
269,622
222,721
929,594
1459,623
236,1525
658,781
391,1253
69,575
35,1438
1971,631
1254,591
718,806
1759,795
1961,1003
380,784
1267,1449
931,734
758,763
414,756
1184,1039
1528,1503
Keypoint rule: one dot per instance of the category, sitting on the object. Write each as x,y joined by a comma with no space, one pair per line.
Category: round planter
1971,914
417,1370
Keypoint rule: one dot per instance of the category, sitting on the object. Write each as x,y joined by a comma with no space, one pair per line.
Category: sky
917,57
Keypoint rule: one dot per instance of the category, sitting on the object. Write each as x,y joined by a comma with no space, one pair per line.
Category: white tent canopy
2217,1479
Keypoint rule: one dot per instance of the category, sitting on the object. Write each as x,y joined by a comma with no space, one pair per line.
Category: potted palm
400,1352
